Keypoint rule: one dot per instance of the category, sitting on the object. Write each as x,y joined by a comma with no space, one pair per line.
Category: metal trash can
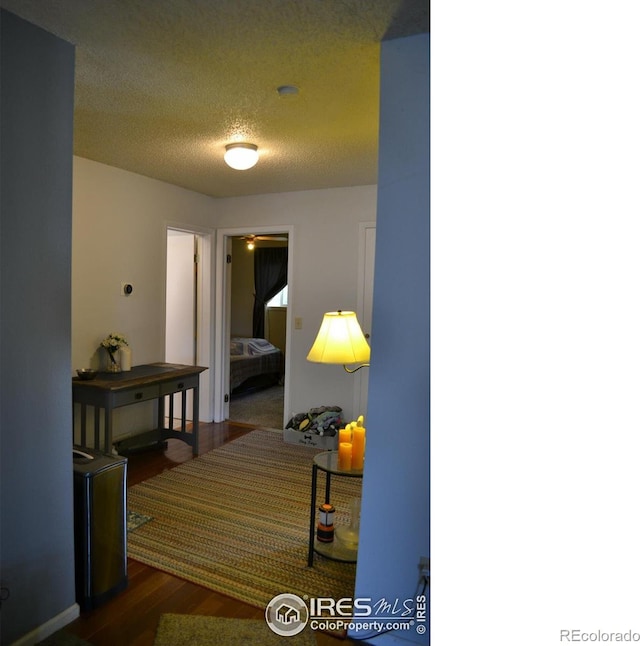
100,525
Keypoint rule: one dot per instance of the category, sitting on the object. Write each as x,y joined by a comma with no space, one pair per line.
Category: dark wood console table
141,383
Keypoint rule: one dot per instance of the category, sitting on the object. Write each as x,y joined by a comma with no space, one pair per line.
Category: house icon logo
286,615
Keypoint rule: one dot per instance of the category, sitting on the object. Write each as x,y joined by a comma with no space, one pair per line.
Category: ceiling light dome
241,156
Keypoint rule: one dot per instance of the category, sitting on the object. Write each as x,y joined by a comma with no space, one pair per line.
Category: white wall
324,250
119,234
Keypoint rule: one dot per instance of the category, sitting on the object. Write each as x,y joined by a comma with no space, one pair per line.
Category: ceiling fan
252,239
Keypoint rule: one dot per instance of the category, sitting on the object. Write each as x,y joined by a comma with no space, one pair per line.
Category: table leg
196,420
96,427
83,425
108,443
312,520
171,414
183,428
161,416
327,489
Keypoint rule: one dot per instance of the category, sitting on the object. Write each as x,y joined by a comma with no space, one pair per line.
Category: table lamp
340,341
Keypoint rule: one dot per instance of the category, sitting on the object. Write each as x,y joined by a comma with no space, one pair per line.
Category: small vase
113,365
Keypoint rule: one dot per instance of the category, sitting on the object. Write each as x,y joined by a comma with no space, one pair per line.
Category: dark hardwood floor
131,618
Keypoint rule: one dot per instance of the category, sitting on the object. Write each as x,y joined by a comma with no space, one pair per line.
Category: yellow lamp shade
340,340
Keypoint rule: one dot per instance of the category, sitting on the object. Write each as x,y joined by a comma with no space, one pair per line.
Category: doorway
234,300
258,347
188,339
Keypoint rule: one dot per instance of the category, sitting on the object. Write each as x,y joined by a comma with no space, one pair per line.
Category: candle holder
350,536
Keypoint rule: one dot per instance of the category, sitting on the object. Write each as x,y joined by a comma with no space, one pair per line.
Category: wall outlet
297,323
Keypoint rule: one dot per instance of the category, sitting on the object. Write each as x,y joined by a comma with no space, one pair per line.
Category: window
280,299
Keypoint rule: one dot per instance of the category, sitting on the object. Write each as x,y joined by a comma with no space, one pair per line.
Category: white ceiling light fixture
241,156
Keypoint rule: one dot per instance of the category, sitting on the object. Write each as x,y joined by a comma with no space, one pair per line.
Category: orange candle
344,434
357,451
344,456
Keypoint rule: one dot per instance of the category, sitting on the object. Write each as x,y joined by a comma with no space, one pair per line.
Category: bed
252,359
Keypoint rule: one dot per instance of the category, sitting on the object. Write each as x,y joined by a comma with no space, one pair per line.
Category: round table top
328,461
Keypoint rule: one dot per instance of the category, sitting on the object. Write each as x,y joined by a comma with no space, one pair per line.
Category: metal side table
328,462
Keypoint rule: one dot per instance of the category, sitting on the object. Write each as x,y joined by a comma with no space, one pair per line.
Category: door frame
364,309
204,345
222,332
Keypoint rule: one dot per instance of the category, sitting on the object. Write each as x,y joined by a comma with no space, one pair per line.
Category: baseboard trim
48,628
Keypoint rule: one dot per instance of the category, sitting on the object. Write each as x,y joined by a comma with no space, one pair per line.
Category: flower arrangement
112,344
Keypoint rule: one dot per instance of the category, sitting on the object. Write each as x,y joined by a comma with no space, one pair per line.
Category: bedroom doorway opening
252,344
258,329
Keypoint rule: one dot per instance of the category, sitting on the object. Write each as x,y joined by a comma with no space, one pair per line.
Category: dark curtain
270,276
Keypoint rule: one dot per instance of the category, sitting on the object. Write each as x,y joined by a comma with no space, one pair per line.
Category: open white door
181,290
188,308
227,321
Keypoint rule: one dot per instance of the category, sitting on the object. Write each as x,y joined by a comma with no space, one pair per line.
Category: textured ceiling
163,85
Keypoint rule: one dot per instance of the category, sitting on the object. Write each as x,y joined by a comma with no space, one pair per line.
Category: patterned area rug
135,520
195,630
236,520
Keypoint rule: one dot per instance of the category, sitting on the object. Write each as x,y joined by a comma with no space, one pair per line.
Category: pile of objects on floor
323,421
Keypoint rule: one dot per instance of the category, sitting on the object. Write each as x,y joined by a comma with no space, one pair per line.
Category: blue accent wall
394,530
36,487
